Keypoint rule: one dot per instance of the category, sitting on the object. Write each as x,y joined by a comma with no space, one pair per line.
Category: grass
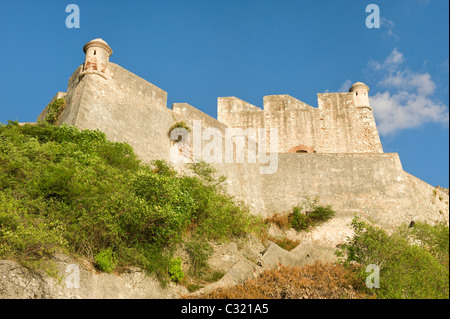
318,281
284,242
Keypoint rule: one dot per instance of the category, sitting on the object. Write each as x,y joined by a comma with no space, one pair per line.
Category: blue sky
198,51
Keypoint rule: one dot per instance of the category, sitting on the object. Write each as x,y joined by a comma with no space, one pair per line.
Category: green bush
304,220
216,215
413,261
298,220
175,272
199,252
181,125
105,260
54,111
71,190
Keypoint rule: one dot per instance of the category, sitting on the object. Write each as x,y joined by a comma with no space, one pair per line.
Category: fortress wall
336,122
244,180
235,112
294,120
337,126
346,128
187,113
283,102
73,97
125,107
367,139
430,203
373,185
295,127
130,109
246,184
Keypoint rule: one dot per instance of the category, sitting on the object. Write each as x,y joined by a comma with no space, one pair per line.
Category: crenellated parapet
342,122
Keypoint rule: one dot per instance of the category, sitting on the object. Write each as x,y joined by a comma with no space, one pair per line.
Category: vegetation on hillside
74,191
413,261
318,281
413,264
54,111
303,217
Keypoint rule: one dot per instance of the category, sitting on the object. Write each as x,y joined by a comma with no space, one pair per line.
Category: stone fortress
332,151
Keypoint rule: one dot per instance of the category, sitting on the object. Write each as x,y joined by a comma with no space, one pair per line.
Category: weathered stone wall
130,109
125,107
235,112
372,185
429,203
343,128
244,180
294,120
338,125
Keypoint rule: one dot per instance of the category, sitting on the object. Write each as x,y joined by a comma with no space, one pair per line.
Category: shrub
216,215
105,260
162,168
413,261
178,125
302,217
27,238
175,272
199,252
62,188
303,221
299,221
54,111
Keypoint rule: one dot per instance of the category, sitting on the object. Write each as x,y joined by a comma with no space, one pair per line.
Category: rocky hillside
82,217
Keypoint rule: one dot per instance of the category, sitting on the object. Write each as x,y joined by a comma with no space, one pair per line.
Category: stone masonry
332,151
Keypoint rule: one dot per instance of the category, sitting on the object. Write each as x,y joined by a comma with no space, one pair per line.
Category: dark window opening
95,52
302,151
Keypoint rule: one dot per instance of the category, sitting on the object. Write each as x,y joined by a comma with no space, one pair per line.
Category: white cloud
406,110
407,80
407,101
390,64
389,25
395,58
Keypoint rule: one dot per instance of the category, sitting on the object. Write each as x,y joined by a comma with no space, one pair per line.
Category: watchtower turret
361,94
97,57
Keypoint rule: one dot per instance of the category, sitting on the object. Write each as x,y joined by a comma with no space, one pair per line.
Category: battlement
284,103
333,150
342,122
